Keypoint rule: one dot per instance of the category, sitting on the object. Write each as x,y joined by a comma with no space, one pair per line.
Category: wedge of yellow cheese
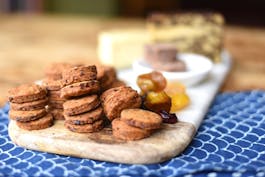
120,48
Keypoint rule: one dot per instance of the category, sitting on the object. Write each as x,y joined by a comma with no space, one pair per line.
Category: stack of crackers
121,106
107,77
52,82
82,109
116,99
27,107
135,124
86,98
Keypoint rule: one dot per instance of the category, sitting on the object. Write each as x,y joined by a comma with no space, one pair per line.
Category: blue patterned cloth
230,142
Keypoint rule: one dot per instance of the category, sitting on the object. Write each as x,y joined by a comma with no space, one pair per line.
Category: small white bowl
198,67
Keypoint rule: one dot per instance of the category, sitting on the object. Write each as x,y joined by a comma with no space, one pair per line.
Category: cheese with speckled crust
200,33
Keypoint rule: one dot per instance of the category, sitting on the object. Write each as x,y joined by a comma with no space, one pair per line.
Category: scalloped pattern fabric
230,142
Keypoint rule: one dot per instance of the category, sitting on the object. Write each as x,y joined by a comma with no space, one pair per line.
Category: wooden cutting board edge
163,145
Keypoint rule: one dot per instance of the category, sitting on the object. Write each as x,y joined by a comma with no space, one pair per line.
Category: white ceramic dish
198,67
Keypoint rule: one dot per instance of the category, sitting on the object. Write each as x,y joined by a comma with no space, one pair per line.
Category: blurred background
247,12
34,33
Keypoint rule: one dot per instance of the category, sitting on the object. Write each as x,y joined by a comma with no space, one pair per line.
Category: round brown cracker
25,116
56,104
55,95
117,83
86,128
80,105
57,114
106,76
85,118
141,118
123,131
80,88
54,70
52,85
37,124
26,93
79,74
29,106
116,99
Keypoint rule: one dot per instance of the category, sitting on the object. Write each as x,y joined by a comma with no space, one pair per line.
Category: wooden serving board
164,144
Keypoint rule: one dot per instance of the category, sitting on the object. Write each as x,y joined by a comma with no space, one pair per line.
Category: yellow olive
153,81
157,101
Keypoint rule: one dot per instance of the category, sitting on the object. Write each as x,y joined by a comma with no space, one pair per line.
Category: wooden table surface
29,43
